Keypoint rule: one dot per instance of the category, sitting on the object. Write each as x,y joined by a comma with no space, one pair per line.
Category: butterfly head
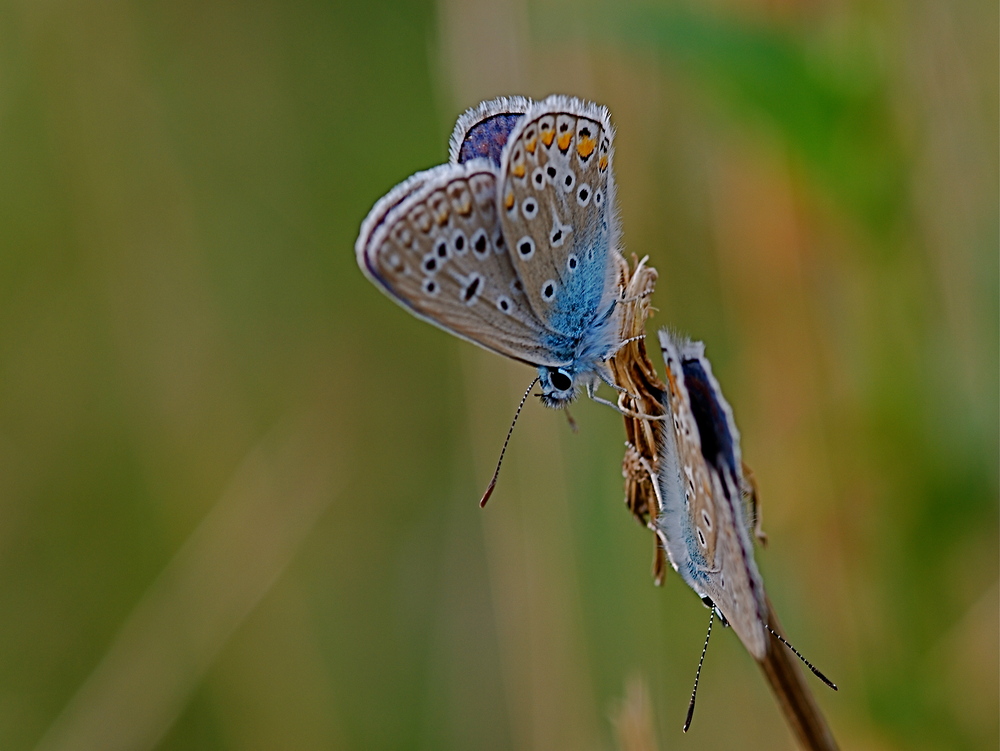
559,386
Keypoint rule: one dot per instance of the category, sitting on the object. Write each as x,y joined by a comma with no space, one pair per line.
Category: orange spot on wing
508,201
563,141
586,147
531,145
517,170
603,164
547,136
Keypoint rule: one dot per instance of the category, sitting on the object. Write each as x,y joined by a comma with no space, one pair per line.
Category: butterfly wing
482,132
556,206
687,523
706,527
434,245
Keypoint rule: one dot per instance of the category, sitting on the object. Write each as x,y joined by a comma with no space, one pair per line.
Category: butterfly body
703,522
513,245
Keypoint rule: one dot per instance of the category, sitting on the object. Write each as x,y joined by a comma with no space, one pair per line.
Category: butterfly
707,502
512,245
703,523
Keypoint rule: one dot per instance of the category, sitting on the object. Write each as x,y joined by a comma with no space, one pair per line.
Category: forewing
434,245
556,205
482,132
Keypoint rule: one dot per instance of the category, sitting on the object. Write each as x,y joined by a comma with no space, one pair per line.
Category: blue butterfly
513,244
702,489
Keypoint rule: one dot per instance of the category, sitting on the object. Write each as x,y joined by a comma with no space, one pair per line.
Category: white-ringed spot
572,263
583,195
548,290
472,289
431,287
568,180
558,234
430,263
480,244
526,248
538,178
459,243
504,304
707,519
701,539
598,198
529,207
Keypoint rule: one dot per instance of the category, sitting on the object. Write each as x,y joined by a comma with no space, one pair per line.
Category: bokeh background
238,485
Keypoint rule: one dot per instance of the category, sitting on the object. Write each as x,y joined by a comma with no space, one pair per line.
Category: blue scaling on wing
711,417
576,310
486,139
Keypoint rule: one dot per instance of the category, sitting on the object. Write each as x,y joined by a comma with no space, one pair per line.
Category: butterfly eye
560,380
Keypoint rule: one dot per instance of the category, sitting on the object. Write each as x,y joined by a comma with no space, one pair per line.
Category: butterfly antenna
496,472
701,661
798,654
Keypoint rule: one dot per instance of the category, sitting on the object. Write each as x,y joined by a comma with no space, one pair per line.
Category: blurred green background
238,485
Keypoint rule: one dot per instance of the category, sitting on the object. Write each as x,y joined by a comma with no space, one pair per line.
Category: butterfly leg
622,410
622,344
605,375
592,393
